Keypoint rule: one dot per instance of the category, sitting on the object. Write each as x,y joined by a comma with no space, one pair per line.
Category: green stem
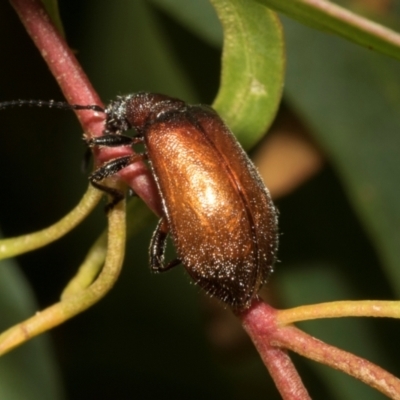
22,244
325,15
89,269
338,309
138,216
82,300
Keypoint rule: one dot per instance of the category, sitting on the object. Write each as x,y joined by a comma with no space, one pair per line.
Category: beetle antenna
62,105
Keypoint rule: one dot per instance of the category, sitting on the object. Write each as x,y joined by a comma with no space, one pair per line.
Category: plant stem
81,300
325,15
260,323
338,309
300,342
78,90
11,247
63,64
263,325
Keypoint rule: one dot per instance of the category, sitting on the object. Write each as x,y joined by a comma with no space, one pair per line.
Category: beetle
216,208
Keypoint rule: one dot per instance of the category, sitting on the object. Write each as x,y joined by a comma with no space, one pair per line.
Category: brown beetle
219,213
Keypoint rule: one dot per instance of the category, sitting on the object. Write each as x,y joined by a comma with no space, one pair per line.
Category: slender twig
260,323
11,247
291,338
328,16
338,309
89,269
94,259
78,90
80,300
62,62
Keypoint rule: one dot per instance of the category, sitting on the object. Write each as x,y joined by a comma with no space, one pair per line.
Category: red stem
78,90
269,336
260,323
296,340
62,63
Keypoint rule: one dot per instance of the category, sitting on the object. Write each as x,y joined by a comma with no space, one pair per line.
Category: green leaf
253,60
197,16
326,16
28,372
350,97
252,68
54,13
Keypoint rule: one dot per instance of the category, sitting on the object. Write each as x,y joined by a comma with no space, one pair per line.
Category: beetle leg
113,166
107,141
157,249
108,169
171,264
112,140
